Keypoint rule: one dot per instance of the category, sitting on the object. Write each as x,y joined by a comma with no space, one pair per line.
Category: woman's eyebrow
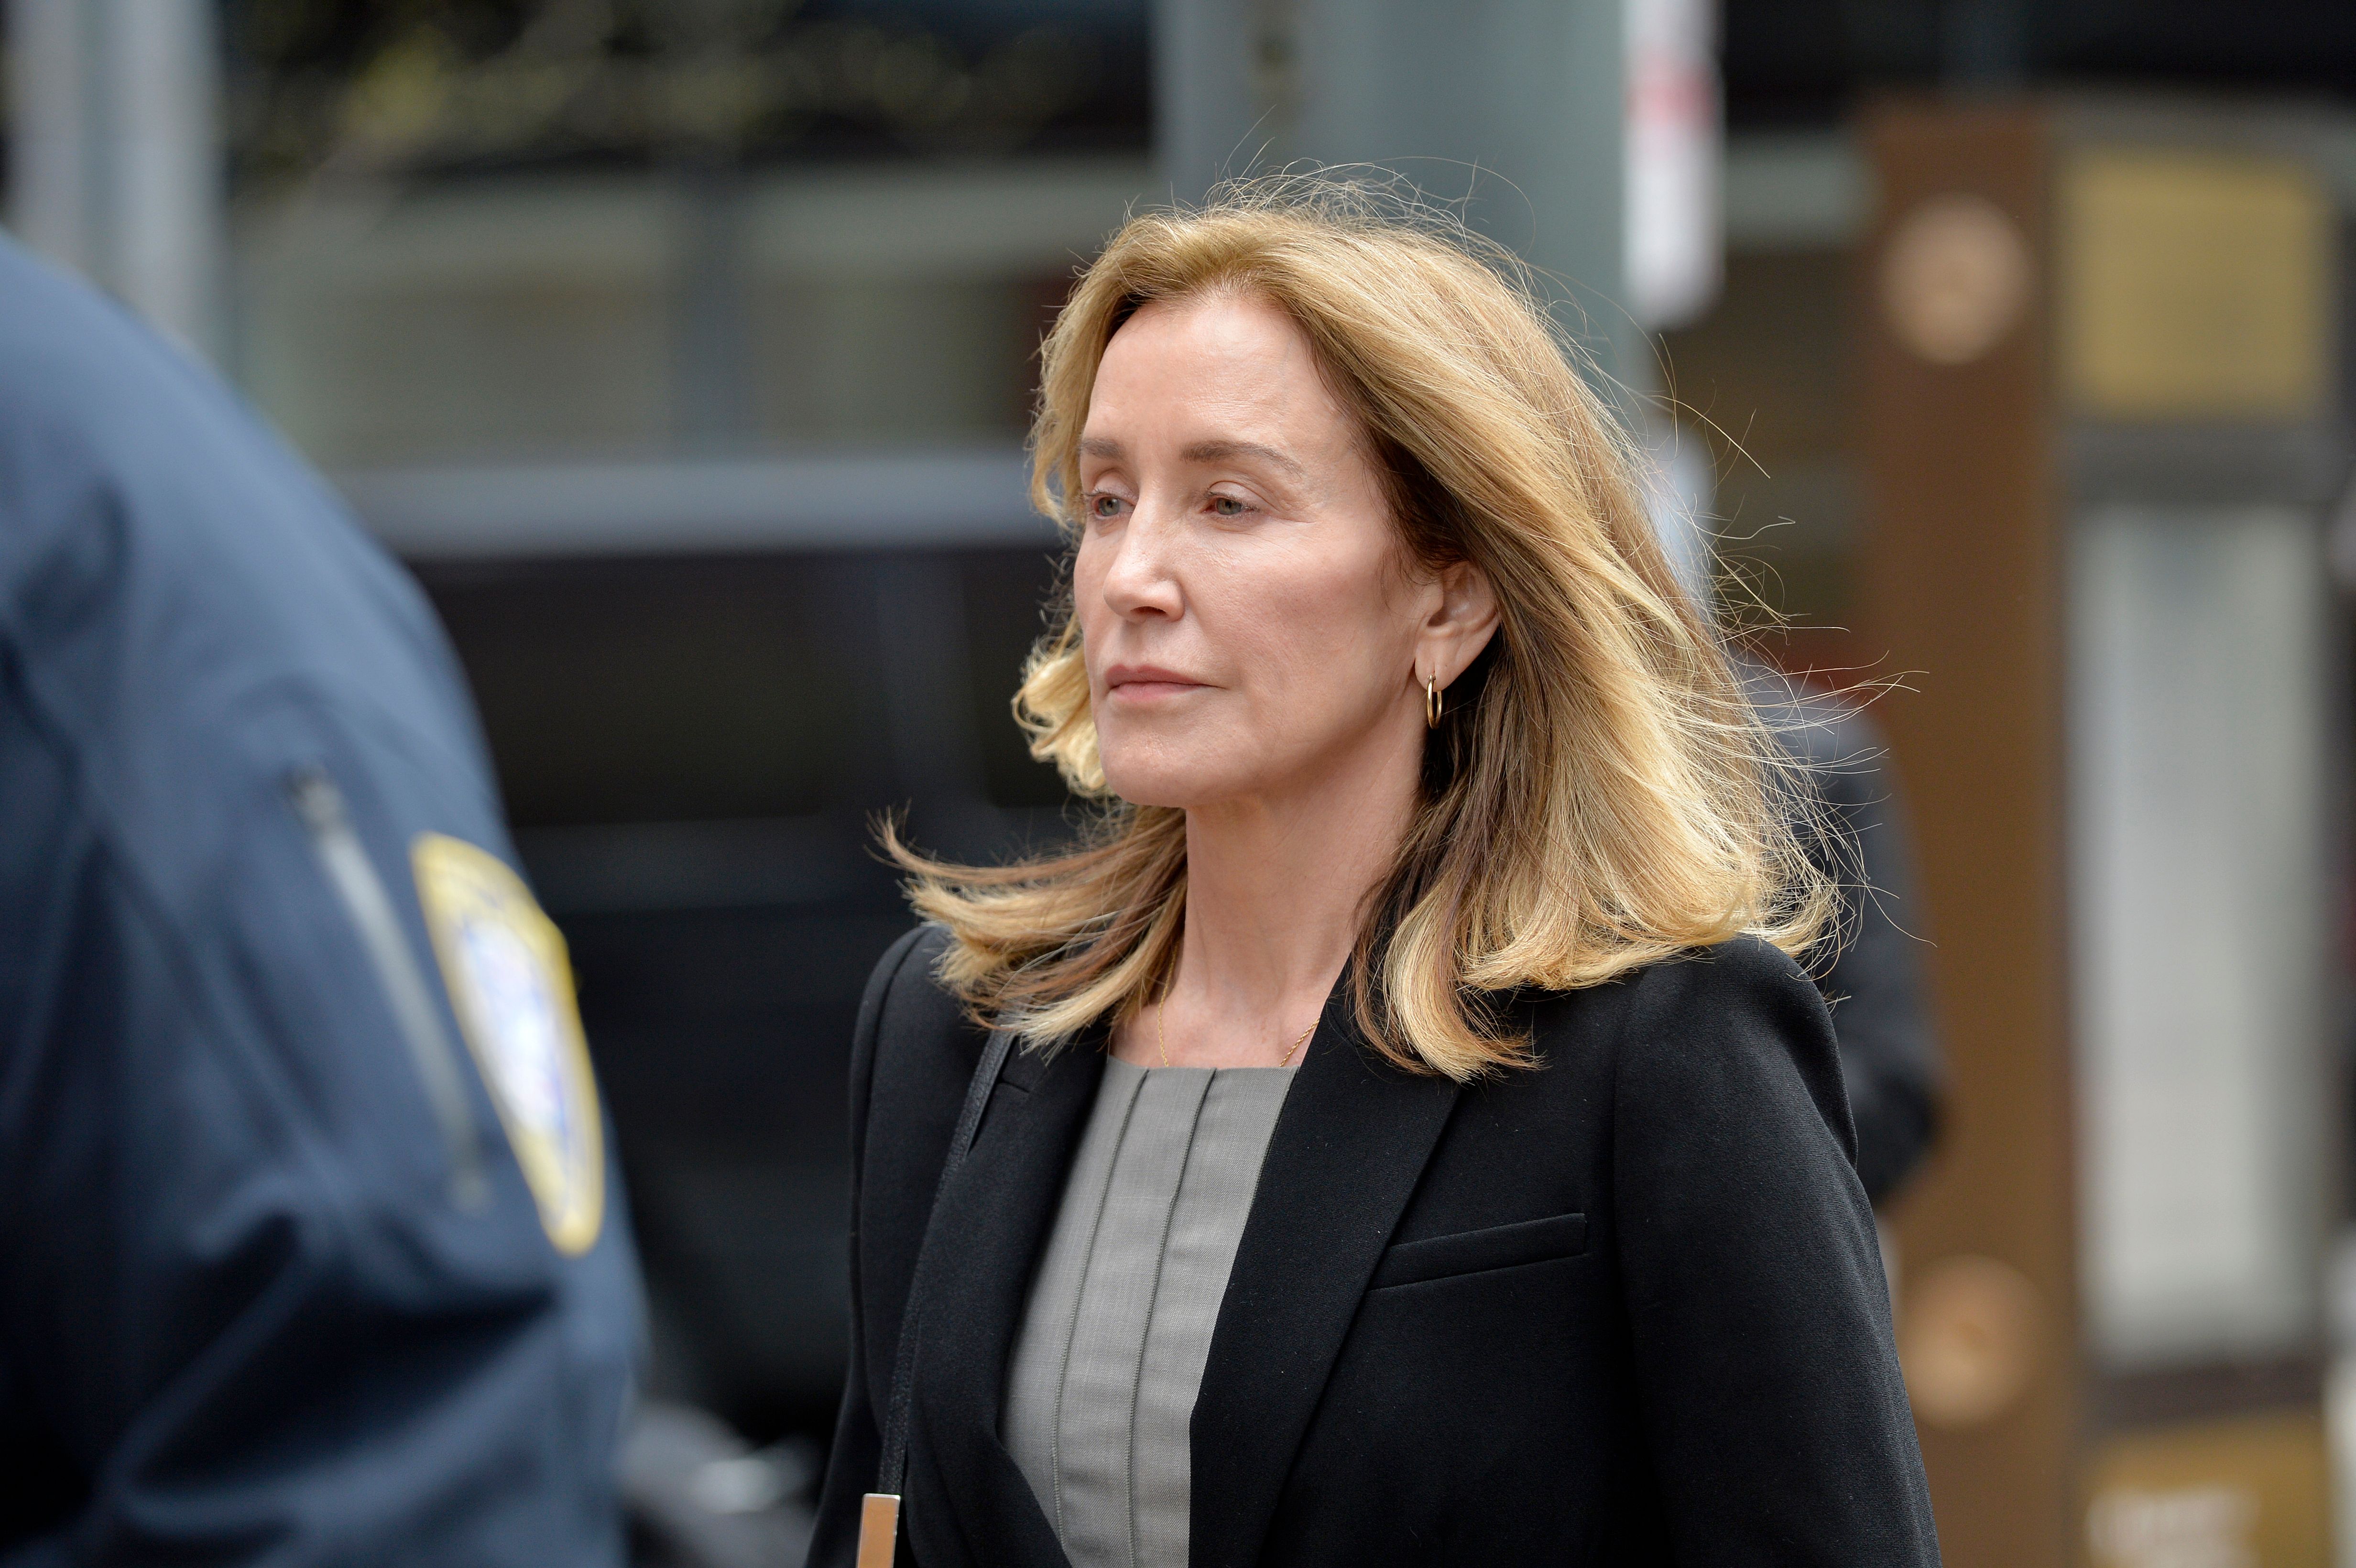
1099,446
1222,451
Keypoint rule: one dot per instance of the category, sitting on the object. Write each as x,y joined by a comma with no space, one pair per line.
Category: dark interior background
694,752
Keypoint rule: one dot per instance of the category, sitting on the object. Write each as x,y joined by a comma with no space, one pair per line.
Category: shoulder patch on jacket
510,983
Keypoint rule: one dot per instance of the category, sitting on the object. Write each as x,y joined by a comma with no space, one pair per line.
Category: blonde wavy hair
1599,795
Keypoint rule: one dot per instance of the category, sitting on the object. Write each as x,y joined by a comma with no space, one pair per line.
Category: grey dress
1101,1389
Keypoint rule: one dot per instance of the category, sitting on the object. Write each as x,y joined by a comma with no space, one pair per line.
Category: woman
1420,1145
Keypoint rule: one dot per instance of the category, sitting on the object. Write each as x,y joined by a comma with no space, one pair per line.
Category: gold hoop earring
1430,704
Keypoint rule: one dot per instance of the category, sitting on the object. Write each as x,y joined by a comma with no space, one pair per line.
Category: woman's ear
1459,625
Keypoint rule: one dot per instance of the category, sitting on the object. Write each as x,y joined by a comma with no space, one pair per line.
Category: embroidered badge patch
511,986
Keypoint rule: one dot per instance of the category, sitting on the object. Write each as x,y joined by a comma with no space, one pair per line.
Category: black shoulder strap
894,1470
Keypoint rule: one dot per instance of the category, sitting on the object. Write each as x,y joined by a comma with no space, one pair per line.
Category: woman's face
1252,622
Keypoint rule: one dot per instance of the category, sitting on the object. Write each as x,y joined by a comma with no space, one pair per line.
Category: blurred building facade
684,349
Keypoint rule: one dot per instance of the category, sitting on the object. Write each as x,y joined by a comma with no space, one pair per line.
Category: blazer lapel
1346,1157
993,1219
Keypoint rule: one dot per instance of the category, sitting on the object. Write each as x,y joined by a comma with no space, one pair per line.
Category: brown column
1963,583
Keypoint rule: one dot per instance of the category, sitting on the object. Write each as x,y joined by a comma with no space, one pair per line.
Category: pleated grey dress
1101,1388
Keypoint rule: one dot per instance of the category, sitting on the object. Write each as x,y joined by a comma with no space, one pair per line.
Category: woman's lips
1147,685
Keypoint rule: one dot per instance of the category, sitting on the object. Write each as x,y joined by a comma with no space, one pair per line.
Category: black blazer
1625,1307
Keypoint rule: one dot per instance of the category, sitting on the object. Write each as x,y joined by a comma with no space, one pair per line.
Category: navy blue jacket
274,1284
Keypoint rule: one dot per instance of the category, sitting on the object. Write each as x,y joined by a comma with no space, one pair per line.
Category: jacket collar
993,1224
1347,1151
1346,1155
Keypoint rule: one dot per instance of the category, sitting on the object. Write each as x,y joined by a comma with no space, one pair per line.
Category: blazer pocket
1477,1251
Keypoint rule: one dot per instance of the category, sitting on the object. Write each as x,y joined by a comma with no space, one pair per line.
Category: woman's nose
1142,579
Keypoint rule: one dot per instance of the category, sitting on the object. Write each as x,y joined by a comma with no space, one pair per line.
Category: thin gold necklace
1162,1037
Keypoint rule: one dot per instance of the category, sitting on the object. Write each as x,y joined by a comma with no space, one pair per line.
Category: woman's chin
1147,795
1181,787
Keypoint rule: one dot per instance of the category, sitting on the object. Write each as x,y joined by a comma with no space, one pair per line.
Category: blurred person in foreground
309,1252
1423,1145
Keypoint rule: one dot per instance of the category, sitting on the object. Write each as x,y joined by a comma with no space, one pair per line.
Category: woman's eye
1105,506
1227,506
